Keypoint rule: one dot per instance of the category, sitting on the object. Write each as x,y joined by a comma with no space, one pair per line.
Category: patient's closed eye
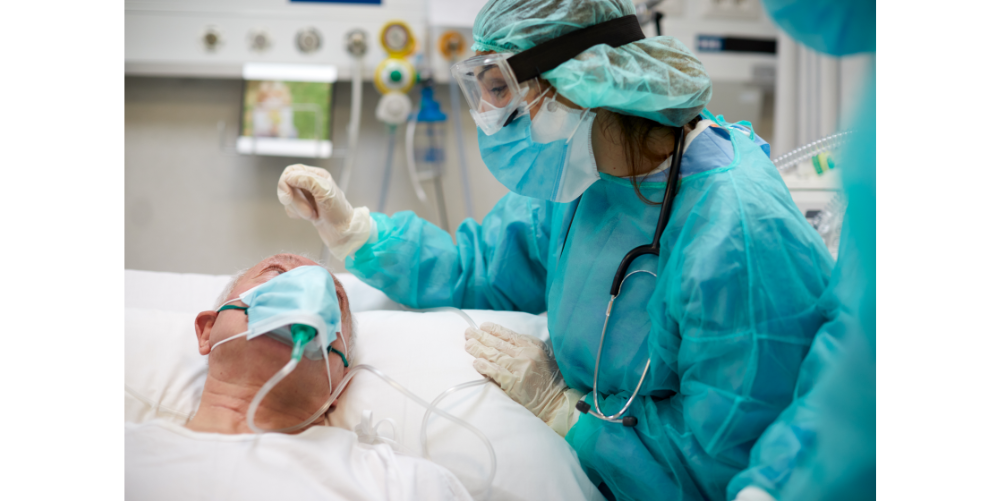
274,268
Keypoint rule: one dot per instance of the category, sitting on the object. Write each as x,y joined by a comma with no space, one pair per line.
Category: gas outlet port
211,39
258,40
308,40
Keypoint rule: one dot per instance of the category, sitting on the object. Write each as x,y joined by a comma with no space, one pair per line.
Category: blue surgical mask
305,295
548,157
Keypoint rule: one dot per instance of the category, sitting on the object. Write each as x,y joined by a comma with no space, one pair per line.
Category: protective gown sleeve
733,314
777,461
498,265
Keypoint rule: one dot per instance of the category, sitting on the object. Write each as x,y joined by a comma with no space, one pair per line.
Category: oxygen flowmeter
395,75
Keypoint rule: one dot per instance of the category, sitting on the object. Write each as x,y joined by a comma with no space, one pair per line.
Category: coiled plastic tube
805,152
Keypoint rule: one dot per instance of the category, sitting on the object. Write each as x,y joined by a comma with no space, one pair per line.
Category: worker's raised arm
499,264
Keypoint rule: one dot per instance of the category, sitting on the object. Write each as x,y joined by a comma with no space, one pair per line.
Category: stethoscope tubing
621,274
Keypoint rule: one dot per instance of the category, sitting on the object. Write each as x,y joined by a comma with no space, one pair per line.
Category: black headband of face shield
547,56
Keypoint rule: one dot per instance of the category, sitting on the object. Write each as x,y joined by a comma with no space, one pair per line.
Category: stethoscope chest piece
628,421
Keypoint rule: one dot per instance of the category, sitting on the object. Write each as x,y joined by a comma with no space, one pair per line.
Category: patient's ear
203,324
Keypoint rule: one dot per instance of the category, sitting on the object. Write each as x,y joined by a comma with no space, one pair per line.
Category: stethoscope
620,277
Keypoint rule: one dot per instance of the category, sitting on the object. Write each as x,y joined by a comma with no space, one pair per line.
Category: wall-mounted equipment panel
215,38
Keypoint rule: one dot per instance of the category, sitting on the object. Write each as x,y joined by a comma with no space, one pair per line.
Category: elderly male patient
216,456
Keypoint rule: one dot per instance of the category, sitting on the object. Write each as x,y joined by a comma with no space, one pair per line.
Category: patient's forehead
273,266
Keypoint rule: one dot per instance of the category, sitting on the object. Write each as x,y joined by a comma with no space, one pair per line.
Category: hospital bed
164,374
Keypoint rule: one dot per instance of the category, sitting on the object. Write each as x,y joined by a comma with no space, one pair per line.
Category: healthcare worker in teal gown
823,445
725,314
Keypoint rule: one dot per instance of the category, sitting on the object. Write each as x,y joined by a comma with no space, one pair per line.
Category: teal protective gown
823,446
726,322
784,460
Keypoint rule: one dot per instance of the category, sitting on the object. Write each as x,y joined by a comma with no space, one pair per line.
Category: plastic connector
582,406
301,335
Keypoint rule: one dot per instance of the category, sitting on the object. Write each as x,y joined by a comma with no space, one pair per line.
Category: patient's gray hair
228,289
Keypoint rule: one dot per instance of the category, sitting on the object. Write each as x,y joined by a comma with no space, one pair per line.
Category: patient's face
258,359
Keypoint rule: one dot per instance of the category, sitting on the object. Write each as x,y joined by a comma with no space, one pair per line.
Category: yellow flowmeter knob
394,75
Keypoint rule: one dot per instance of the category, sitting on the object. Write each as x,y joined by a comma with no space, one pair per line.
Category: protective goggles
497,86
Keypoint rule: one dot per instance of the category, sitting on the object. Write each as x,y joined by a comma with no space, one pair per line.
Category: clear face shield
494,95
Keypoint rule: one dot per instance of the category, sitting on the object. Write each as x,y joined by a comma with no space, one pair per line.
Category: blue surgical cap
656,78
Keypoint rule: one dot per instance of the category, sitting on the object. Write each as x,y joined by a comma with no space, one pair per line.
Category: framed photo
286,111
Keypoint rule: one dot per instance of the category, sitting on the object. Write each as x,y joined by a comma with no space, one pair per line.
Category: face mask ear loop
347,347
540,96
571,134
329,376
230,338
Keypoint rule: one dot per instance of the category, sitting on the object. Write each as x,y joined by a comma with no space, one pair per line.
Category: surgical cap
656,78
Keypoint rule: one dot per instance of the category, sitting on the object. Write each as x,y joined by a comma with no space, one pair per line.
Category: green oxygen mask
301,335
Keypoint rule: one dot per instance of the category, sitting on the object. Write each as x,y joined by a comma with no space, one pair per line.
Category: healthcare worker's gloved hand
310,193
753,493
526,370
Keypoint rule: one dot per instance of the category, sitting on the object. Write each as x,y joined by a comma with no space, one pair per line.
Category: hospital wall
194,205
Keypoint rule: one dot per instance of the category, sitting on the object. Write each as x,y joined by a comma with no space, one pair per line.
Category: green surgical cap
656,78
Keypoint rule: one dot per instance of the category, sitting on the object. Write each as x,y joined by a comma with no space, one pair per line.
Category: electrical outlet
732,9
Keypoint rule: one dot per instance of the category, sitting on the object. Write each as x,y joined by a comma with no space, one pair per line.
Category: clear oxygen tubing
456,121
465,316
297,350
264,390
402,389
445,393
411,166
431,407
353,125
802,153
442,209
387,174
434,404
411,160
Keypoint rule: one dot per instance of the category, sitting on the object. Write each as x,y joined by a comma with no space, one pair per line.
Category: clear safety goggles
490,87
497,86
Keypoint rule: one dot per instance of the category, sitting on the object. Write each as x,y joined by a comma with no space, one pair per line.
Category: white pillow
164,376
158,290
164,373
425,353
